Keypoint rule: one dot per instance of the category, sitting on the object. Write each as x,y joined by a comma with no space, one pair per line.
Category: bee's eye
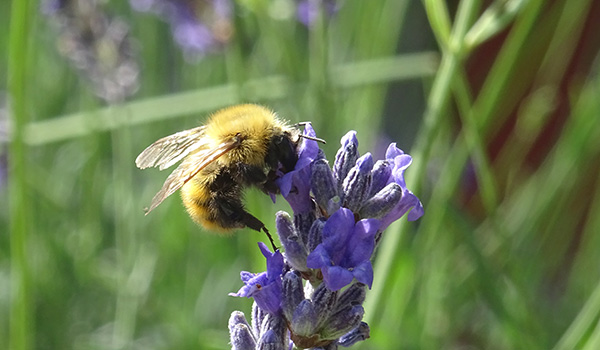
238,137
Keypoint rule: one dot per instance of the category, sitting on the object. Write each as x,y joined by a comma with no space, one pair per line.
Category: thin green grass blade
205,100
21,306
437,101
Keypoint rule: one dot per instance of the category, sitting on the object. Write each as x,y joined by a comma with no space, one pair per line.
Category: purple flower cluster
308,10
339,216
98,45
198,26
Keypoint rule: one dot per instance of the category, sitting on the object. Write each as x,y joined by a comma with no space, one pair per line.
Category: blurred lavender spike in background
98,45
199,27
308,10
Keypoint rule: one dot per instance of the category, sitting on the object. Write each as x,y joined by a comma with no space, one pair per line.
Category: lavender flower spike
339,216
346,250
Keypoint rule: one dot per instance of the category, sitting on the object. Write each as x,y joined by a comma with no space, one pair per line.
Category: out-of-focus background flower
496,101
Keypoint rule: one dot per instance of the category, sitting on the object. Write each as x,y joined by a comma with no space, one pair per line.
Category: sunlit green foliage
497,102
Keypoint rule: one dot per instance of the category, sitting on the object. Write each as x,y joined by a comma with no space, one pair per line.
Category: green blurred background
498,102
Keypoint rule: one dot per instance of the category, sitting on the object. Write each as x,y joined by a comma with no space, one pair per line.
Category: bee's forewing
187,169
171,149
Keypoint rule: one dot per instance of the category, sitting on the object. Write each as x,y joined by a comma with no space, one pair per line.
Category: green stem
21,328
438,99
126,240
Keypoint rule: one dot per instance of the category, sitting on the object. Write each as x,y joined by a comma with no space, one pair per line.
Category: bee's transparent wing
171,149
187,169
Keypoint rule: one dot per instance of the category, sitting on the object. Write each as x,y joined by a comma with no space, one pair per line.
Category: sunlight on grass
497,103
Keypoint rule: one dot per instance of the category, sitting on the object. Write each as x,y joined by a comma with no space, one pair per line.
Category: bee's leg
253,175
252,222
233,214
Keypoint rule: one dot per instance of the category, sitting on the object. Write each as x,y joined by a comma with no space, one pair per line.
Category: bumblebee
239,146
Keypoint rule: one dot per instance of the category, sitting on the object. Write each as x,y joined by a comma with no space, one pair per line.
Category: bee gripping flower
312,295
295,185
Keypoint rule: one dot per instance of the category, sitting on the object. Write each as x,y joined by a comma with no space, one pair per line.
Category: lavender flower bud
303,223
324,301
239,331
241,338
345,158
343,322
382,203
315,234
273,333
360,333
295,251
270,341
304,319
353,295
357,184
258,317
381,174
324,185
237,317
293,294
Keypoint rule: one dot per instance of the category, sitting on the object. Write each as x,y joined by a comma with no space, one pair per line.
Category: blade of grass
21,305
440,23
437,101
204,100
497,81
497,17
580,326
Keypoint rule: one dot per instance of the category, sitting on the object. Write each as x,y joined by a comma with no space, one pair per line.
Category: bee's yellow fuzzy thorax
255,124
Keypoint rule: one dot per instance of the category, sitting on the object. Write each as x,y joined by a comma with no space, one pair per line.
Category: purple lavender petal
407,202
264,287
393,151
340,224
318,258
361,246
364,273
336,277
295,185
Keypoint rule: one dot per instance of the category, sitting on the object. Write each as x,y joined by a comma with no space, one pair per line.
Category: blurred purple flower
198,26
264,287
308,10
98,45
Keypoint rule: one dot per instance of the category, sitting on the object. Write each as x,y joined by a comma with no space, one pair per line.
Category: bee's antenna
303,124
313,138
